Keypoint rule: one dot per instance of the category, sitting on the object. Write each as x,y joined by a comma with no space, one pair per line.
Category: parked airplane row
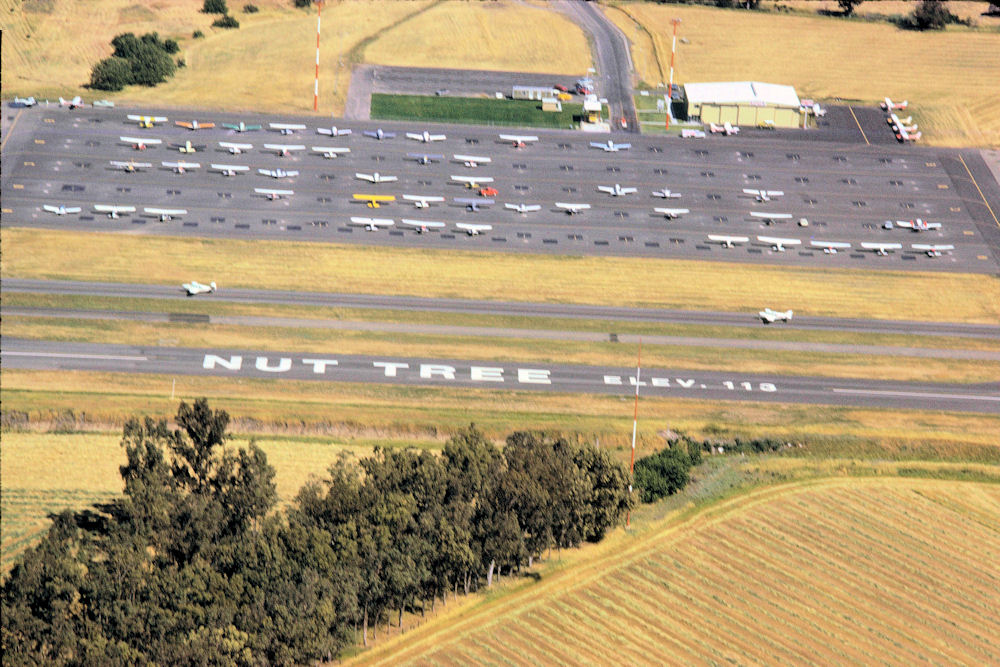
829,247
421,226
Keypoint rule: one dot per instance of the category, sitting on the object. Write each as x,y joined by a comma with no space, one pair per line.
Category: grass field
951,88
478,111
566,279
826,571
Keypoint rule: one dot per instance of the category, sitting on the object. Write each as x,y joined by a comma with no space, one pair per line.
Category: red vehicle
488,192
561,88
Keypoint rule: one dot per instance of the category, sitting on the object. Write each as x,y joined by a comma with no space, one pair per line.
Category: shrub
226,21
250,9
197,34
112,73
662,474
215,7
303,3
181,63
171,46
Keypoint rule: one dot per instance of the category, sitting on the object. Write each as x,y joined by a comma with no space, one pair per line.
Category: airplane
692,134
329,152
379,134
422,201
830,247
104,104
763,195
519,140
726,128
24,102
181,167
769,316
918,225
904,133
901,123
277,173
572,209
372,224
887,105
113,211
194,125
166,214
671,213
188,147
777,243
374,201
376,178
130,166
230,169
240,127
194,288
424,158
273,195
473,204
616,190
287,128
523,208
333,131
74,103
769,218
610,146
425,136
666,194
932,250
422,225
473,161
140,143
147,121
472,181
881,248
61,210
473,230
728,241
284,150
235,149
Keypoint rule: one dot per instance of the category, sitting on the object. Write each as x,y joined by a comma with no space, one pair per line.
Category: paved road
330,366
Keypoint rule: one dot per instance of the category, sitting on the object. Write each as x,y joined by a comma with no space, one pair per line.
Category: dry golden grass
949,82
965,9
907,295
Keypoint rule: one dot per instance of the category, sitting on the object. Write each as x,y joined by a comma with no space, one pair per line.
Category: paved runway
45,355
55,156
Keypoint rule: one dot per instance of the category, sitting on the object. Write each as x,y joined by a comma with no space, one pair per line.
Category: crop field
951,87
835,571
478,111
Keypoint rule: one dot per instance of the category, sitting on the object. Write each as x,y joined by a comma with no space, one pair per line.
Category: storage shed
750,103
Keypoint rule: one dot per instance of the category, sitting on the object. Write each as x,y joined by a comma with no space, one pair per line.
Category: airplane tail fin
212,285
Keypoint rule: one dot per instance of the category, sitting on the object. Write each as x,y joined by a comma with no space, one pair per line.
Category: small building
749,103
592,109
533,92
551,104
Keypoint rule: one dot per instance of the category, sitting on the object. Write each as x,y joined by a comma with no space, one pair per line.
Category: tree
226,21
847,6
215,7
303,3
662,474
111,74
608,498
930,15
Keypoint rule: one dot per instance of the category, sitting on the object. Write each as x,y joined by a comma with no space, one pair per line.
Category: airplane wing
774,193
372,222
777,242
365,177
108,208
230,167
422,198
229,144
415,136
623,147
572,208
422,224
325,130
330,150
436,137
927,247
387,179
672,212
284,147
269,191
164,211
140,140
182,165
728,240
606,188
597,144
830,245
184,123
770,216
478,159
628,191
472,229
751,191
881,247
286,126
525,138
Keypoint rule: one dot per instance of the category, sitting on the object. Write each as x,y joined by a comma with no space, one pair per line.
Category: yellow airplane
375,200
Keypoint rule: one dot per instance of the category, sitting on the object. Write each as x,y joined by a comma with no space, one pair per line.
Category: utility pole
319,13
635,424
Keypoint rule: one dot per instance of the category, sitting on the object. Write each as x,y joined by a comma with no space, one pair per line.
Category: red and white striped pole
319,12
635,424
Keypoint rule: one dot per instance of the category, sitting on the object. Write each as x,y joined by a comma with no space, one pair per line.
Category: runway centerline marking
914,394
863,136
64,355
979,190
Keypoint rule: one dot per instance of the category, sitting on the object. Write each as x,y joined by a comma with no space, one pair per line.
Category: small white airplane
333,131
918,225
240,127
572,209
24,101
423,201
616,190
181,167
113,210
728,241
273,195
104,104
770,218
692,134
769,316
726,128
277,173
166,214
140,143
422,225
147,121
932,250
666,194
473,161
379,134
286,128
473,204
610,146
519,140
903,132
330,152
763,195
471,229
472,181
74,103
523,208
130,167
830,247
194,288
424,158
376,178
188,147
230,169
235,149
777,243
671,213
888,105
61,210
372,224
881,248
194,125
425,136
284,150
905,123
